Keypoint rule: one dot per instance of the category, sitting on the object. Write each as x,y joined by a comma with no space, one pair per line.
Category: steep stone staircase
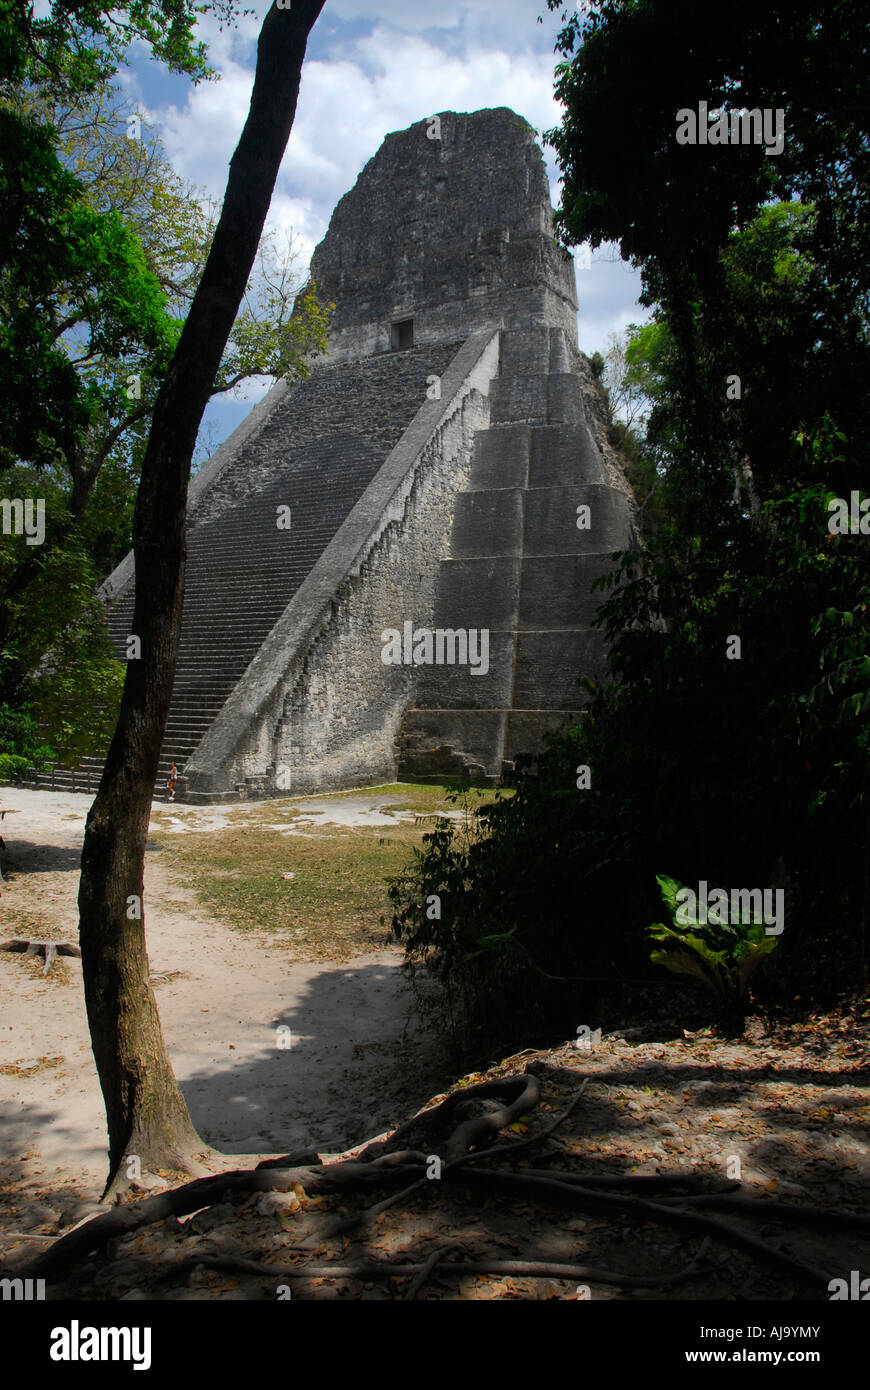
317,453
519,566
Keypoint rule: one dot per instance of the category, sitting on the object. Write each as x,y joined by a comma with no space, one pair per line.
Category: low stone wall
317,708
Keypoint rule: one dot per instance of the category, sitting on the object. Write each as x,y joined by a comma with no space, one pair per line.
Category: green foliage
21,746
723,956
101,248
538,912
632,373
799,55
455,944
735,771
277,332
81,311
74,682
56,662
76,44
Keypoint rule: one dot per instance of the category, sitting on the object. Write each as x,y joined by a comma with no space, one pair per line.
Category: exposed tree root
48,949
525,1094
440,1260
437,1257
479,1128
697,1189
346,1224
382,1165
204,1192
786,1212
182,1160
510,1150
583,1199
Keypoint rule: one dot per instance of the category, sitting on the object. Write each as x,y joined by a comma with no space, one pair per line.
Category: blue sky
372,66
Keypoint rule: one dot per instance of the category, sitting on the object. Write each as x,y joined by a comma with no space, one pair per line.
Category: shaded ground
225,995
784,1110
787,1113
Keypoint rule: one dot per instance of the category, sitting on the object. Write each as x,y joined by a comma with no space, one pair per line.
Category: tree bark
146,1113
863,922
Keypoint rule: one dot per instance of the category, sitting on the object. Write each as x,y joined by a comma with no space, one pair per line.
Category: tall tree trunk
145,1110
865,915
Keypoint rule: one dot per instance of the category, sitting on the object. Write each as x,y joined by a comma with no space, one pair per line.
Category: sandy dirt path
224,999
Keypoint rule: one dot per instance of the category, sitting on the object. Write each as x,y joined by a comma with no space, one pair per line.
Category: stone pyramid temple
389,563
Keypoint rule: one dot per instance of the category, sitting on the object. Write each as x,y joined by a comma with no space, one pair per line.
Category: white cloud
376,66
200,137
502,20
514,21
385,81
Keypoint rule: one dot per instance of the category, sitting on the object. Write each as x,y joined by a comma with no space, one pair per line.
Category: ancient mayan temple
443,474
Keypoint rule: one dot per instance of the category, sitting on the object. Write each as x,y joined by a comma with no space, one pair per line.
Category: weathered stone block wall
280,682
520,565
456,232
372,401
340,722
317,707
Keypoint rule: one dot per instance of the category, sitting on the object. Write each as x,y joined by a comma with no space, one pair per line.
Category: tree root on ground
439,1260
95,1234
785,1212
571,1195
381,1165
697,1189
48,949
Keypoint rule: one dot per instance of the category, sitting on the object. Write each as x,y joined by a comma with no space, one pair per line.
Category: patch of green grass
411,790
331,909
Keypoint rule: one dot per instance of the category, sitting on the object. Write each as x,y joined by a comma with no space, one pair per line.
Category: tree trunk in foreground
145,1110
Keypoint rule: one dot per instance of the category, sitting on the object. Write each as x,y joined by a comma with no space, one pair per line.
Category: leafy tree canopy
102,245
731,744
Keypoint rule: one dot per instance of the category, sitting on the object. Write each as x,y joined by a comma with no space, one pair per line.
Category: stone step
316,454
540,521
529,669
556,591
551,520
451,743
487,523
541,399
485,745
563,455
501,457
527,455
477,592
532,593
538,348
189,701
